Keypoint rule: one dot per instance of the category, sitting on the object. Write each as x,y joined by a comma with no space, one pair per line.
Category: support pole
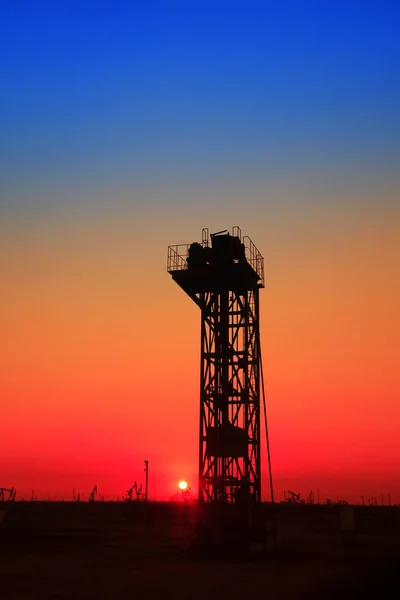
146,470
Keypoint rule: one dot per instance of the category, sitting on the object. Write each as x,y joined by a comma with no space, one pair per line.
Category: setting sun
182,485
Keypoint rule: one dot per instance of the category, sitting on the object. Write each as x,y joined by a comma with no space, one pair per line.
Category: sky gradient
126,127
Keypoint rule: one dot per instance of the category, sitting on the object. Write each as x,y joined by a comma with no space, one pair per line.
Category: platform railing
177,257
205,237
237,232
254,257
179,253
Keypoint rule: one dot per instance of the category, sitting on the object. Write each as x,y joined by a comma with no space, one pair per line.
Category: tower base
227,530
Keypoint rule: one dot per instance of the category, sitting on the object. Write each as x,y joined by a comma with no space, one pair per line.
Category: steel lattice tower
224,279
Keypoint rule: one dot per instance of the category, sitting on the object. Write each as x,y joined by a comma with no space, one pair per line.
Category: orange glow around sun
182,485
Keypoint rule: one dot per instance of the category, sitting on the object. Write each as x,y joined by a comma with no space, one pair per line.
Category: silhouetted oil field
138,550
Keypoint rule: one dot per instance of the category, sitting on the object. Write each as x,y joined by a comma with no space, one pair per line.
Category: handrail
177,257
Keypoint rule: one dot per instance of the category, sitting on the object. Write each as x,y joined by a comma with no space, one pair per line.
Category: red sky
100,354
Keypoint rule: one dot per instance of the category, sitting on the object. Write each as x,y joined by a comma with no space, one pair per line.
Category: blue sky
142,95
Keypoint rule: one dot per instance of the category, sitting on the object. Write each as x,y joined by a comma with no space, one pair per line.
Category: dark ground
96,551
